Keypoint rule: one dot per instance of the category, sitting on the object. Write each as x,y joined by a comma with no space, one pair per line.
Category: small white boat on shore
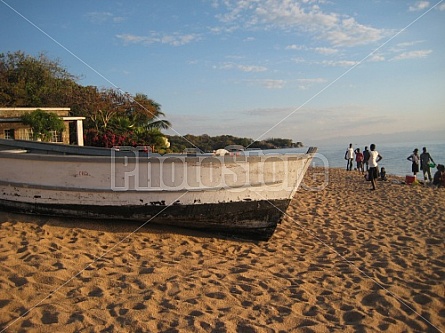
243,194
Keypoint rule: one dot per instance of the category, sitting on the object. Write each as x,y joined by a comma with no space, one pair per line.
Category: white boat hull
246,195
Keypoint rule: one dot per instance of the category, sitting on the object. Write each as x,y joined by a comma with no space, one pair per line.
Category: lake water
394,155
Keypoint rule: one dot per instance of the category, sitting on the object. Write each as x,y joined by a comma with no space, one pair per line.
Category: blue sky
311,71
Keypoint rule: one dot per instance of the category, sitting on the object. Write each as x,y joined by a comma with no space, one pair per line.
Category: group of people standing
421,162
367,158
425,162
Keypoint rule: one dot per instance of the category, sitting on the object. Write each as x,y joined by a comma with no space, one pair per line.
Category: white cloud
243,68
418,6
302,16
128,38
376,58
268,83
350,33
320,50
330,63
175,39
339,63
268,112
103,17
316,80
304,84
407,44
413,55
296,47
325,50
404,46
299,60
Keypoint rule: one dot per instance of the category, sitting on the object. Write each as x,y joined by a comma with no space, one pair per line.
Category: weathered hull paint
243,195
253,220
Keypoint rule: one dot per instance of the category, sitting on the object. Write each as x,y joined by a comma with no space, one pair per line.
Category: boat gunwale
153,159
110,190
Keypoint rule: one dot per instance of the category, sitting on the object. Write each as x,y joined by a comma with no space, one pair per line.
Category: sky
315,71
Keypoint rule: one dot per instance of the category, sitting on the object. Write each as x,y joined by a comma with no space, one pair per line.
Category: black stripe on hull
254,220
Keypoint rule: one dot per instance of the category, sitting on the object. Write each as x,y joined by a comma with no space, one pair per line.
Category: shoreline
344,259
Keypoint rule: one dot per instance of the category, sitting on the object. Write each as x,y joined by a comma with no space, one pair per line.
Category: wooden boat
243,194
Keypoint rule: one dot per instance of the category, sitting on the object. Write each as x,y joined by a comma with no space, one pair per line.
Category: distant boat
243,194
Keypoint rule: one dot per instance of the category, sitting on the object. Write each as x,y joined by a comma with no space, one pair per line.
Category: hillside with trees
210,143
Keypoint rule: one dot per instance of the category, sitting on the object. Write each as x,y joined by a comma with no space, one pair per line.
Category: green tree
146,113
43,124
208,143
108,104
140,117
28,81
39,81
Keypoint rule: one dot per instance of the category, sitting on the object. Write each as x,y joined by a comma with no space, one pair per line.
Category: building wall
9,120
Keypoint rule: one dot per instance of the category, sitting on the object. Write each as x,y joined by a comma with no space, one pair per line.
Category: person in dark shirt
439,176
366,158
425,159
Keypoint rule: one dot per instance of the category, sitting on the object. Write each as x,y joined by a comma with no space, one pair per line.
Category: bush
43,124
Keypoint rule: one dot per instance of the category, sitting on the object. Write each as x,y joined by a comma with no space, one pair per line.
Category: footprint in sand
351,317
146,270
434,241
4,302
312,311
139,306
216,295
245,328
18,280
96,292
58,265
49,317
76,316
422,299
22,249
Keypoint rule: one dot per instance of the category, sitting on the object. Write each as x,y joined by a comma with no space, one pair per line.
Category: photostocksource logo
137,171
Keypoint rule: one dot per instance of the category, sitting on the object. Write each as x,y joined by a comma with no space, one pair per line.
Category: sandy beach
345,259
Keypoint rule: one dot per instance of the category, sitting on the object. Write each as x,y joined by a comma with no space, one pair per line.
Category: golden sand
345,259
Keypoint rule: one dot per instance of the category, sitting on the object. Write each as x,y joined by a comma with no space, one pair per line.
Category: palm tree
158,124
121,125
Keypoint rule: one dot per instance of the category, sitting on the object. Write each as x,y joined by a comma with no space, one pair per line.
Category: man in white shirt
349,156
374,159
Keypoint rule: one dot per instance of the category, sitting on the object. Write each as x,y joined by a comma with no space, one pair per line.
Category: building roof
13,114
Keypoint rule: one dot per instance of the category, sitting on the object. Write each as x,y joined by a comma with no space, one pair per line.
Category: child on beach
439,176
359,159
383,174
